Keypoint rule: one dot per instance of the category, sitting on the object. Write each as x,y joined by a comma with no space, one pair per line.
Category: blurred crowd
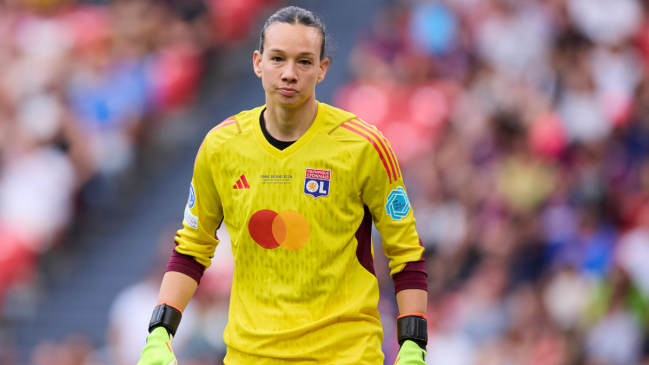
81,88
522,128
86,89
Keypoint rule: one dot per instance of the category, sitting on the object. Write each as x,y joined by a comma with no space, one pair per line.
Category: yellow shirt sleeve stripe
376,147
387,143
224,123
368,129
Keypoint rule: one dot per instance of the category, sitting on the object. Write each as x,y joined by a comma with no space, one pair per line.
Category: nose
289,73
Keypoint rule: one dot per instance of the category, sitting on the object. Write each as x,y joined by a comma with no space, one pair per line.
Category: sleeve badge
192,197
398,205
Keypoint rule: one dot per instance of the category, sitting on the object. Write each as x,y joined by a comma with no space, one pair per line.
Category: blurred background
521,127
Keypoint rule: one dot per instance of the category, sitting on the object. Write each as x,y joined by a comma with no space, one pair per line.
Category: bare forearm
177,289
412,301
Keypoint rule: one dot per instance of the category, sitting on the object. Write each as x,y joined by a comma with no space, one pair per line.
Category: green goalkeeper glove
158,349
410,354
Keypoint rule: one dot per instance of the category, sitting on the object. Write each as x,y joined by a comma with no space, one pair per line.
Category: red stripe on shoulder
387,143
369,130
225,123
395,161
198,153
376,147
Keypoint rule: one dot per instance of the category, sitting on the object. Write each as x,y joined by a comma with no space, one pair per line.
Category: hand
158,349
410,354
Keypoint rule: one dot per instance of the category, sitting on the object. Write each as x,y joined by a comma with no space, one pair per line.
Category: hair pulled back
297,15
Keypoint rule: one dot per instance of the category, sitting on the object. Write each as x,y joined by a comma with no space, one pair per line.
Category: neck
289,124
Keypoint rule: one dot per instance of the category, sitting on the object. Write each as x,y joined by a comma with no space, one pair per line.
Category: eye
276,59
305,62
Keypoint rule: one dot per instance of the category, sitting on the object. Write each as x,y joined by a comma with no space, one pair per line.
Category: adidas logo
242,183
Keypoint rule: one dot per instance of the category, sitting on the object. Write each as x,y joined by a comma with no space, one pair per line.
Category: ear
324,66
256,63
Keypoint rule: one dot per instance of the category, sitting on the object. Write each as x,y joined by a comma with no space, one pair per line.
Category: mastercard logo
288,229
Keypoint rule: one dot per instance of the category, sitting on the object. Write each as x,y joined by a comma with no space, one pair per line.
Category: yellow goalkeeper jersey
304,288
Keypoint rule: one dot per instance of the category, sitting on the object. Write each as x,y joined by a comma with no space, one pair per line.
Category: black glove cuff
165,316
414,328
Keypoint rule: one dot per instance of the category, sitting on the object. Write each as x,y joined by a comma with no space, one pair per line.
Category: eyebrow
300,54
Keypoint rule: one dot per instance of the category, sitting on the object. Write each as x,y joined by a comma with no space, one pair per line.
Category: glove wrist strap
412,327
165,316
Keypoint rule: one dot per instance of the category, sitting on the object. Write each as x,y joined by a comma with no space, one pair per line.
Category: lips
287,91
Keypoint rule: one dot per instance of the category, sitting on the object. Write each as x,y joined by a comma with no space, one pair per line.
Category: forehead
292,38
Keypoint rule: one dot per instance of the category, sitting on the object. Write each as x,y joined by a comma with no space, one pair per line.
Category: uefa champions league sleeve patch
192,197
398,205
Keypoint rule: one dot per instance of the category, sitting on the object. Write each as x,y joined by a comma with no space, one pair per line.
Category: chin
289,102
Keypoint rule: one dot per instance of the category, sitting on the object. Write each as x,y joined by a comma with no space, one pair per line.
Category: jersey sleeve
383,192
203,212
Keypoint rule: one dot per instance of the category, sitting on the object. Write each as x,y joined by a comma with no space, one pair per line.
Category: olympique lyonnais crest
316,182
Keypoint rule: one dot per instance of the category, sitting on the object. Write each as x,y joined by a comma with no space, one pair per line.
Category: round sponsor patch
288,229
192,197
398,205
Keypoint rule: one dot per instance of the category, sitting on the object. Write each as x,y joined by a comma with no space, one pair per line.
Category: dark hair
297,15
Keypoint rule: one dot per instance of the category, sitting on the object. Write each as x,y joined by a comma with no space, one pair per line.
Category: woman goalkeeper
297,184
